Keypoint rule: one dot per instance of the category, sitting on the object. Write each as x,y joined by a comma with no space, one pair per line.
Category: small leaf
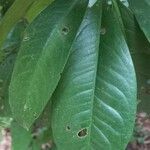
94,104
42,57
141,9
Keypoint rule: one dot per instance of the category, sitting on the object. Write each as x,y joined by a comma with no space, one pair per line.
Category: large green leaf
42,57
95,102
10,50
140,50
72,100
141,9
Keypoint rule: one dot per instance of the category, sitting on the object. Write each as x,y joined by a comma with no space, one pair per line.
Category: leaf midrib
94,85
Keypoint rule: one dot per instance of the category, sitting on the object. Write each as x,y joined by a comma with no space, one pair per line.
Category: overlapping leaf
13,15
37,8
140,50
41,59
10,50
94,104
141,9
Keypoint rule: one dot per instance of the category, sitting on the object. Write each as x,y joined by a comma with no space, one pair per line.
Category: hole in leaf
65,30
82,133
68,128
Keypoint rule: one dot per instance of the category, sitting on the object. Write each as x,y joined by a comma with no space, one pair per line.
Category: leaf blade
37,64
93,88
10,49
140,51
75,85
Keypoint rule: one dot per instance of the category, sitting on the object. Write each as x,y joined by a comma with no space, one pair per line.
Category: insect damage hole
68,128
82,133
65,30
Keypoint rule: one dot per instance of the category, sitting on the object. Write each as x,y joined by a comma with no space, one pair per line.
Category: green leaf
141,10
10,50
140,50
13,15
21,138
94,104
37,8
42,57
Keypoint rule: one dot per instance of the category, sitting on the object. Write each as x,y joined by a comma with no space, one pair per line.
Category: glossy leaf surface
42,56
95,102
